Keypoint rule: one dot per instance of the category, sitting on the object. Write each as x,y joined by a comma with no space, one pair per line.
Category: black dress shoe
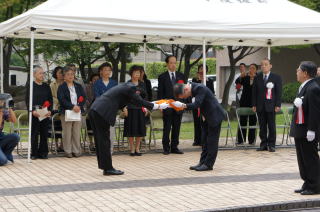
196,144
112,172
132,154
298,190
138,153
272,149
196,166
34,157
308,192
176,151
43,157
262,149
166,152
203,167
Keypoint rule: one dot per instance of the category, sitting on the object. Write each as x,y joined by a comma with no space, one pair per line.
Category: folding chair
153,129
289,119
22,130
88,136
247,111
285,125
119,127
55,133
227,126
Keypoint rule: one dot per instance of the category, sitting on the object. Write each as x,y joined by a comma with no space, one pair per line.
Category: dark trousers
7,144
101,132
309,163
39,128
210,147
197,127
267,121
171,122
252,132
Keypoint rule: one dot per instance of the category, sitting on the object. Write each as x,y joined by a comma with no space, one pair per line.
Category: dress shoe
203,167
43,157
196,144
272,149
137,153
194,167
132,154
176,151
308,192
68,155
166,152
112,172
33,157
262,149
240,143
60,149
76,155
298,190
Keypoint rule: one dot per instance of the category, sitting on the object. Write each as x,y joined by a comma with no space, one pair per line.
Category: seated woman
135,122
104,83
71,96
42,98
7,141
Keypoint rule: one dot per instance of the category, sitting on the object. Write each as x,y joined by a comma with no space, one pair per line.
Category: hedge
156,68
289,92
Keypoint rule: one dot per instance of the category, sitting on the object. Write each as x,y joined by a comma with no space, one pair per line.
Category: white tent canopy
219,22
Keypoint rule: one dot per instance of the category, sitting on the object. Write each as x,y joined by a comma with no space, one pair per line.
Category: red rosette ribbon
80,99
238,86
46,104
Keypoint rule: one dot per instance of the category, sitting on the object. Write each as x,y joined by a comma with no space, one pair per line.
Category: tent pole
269,52
204,62
145,57
31,91
1,64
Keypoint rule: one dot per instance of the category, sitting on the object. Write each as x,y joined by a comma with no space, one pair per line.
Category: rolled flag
300,115
269,86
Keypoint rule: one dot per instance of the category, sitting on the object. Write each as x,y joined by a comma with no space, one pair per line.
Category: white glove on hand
311,135
177,104
297,102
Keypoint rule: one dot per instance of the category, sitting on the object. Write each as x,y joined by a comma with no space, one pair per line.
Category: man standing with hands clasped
305,128
266,101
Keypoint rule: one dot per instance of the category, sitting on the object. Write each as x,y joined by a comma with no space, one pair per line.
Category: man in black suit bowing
305,128
266,101
103,112
213,114
171,118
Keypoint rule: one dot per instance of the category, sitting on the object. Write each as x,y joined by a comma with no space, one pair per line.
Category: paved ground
153,182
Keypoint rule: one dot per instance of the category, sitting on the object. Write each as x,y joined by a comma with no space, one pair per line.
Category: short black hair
66,69
94,75
168,58
103,65
201,65
55,71
178,89
242,64
309,67
253,64
135,68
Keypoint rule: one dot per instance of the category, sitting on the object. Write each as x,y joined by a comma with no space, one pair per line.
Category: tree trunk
187,56
123,60
82,70
6,63
225,97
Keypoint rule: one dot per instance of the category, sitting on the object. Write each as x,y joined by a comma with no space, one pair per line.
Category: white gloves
311,135
297,102
160,106
177,104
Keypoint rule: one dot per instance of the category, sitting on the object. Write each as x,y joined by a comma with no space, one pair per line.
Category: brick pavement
153,182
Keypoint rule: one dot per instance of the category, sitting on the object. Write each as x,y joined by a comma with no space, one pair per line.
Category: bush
289,91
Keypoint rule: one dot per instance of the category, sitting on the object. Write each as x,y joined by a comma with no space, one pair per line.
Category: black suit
266,107
171,118
246,101
213,115
307,152
103,113
197,119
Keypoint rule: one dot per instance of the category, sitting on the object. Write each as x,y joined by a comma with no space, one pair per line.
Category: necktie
300,88
173,79
265,79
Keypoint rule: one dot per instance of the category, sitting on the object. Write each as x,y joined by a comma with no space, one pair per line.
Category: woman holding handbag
71,97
